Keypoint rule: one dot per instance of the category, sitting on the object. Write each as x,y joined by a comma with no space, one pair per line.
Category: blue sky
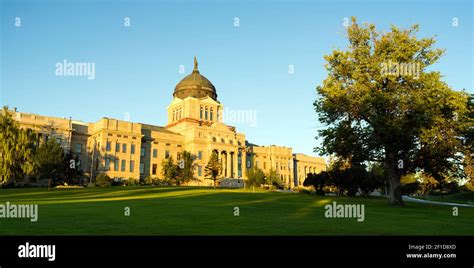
137,67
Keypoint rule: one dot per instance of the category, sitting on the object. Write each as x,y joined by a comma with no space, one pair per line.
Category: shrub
302,190
130,182
103,181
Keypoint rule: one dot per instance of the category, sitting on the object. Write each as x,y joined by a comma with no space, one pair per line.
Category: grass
463,198
207,211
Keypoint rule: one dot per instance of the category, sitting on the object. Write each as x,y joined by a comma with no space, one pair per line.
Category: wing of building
124,149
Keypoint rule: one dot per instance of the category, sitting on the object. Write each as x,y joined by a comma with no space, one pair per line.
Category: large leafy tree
50,160
255,177
213,168
374,113
469,142
186,171
170,171
16,149
273,178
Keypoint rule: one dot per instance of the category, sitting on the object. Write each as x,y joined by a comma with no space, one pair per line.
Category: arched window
211,114
174,115
207,111
200,115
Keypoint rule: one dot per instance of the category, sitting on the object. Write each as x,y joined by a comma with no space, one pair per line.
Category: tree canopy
381,102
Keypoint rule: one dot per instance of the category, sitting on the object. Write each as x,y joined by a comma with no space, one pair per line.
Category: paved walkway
421,201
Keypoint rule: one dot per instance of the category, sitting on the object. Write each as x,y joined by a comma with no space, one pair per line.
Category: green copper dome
195,85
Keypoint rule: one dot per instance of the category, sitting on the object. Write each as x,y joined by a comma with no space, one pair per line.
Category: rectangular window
142,168
124,148
154,167
142,151
155,153
248,163
58,140
78,148
256,164
124,162
199,171
107,147
116,164
167,154
264,165
132,165
117,147
200,155
132,149
107,163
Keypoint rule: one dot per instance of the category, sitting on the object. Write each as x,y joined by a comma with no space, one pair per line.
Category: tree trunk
395,192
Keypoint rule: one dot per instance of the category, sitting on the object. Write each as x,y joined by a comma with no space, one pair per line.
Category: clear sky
137,67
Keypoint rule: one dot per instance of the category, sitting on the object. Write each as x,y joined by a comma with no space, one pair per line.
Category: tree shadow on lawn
126,195
92,193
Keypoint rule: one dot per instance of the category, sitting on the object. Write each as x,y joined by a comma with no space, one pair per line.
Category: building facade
124,149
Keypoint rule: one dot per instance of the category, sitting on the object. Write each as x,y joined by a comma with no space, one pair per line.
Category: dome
195,85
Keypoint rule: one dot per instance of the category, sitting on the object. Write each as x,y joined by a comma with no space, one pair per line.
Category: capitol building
124,149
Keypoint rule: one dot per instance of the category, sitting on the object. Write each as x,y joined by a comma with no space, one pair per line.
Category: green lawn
207,211
463,198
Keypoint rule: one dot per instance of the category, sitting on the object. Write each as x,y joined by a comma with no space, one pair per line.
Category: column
244,163
228,165
220,161
236,164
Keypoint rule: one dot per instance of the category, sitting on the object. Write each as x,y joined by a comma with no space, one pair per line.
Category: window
117,147
200,114
124,148
142,151
167,154
153,170
256,164
199,171
155,153
58,140
214,139
264,165
107,163
78,148
132,149
107,147
132,165
211,114
206,112
124,162
200,155
142,168
116,164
